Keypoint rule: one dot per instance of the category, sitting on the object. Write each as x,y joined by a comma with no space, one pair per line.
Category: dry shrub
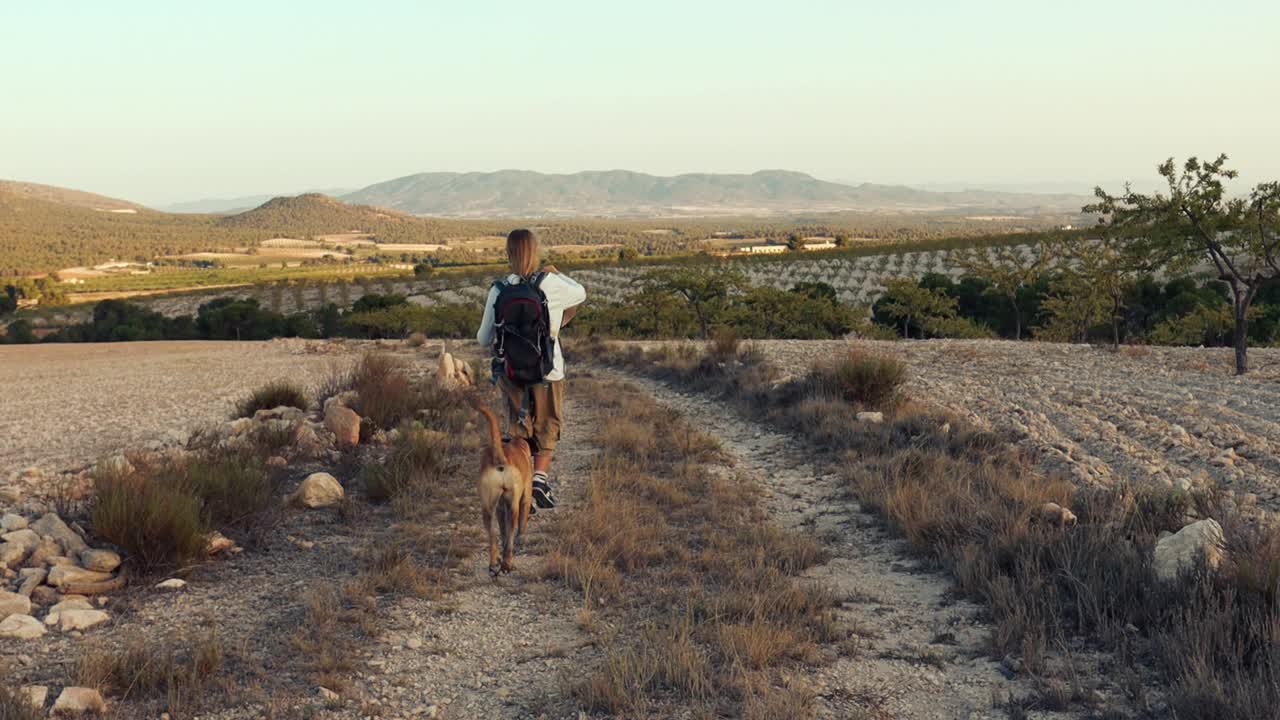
161,514
326,635
865,378
723,344
234,488
158,523
416,339
279,393
386,395
338,379
14,705
394,569
153,670
412,467
666,661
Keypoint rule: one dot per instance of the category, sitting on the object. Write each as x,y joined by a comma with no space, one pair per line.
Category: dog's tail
495,435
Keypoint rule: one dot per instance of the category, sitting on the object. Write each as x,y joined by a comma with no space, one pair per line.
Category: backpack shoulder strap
536,279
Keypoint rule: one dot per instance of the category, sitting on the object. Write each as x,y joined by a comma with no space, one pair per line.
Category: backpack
523,349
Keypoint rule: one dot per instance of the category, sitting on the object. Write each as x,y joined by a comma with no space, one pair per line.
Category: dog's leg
486,513
526,505
507,524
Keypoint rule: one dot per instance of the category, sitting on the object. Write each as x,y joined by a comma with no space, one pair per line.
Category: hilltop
314,213
14,190
622,192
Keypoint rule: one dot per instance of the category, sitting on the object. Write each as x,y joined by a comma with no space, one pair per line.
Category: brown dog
506,491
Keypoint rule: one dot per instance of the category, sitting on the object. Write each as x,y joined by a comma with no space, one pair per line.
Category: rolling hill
13,191
522,193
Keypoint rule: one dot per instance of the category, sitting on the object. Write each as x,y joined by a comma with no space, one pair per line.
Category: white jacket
562,293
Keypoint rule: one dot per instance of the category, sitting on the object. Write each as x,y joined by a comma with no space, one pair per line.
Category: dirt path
922,653
492,649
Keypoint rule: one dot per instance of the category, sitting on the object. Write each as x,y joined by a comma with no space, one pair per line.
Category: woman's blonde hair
522,251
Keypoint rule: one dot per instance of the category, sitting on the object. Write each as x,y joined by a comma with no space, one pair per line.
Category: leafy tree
19,332
793,242
1010,272
908,303
1196,222
816,291
628,254
705,288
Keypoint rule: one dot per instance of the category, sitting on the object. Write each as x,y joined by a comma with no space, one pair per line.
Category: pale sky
160,102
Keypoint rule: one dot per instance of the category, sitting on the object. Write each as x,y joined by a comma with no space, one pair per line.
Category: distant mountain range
522,193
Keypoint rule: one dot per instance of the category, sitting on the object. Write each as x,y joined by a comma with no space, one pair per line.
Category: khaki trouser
545,406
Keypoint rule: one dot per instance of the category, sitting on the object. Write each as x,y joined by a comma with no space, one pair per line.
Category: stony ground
505,649
69,405
1164,415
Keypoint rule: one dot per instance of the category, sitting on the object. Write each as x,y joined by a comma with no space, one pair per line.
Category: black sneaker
542,496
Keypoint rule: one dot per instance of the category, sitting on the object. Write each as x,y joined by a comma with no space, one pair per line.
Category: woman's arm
485,334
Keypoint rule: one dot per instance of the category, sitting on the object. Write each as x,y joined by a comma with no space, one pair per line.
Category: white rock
10,522
69,620
99,560
318,490
218,543
72,602
62,575
171,584
1199,542
50,524
78,701
32,578
21,627
871,417
327,694
14,604
344,423
35,694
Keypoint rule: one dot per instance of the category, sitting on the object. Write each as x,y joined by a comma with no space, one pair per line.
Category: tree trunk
1017,316
1242,340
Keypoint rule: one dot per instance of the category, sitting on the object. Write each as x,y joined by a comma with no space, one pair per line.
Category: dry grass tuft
15,706
154,670
868,379
386,394
280,393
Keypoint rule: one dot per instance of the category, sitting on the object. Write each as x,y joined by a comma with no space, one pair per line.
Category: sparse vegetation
972,502
161,514
654,520
872,380
281,393
178,675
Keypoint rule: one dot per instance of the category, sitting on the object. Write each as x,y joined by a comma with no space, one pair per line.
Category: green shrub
414,464
157,521
280,393
232,487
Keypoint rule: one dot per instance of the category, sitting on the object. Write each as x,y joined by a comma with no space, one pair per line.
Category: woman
537,410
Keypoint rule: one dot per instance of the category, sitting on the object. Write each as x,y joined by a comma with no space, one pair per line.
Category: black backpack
523,349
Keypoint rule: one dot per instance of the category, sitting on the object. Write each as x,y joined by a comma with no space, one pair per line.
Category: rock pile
47,562
452,372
